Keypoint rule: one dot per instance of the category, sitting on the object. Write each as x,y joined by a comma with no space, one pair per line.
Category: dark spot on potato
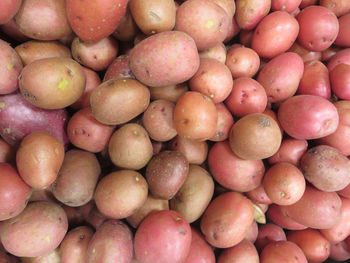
79,58
214,235
81,238
182,231
313,151
162,109
148,73
79,18
185,121
220,134
110,82
59,219
203,72
95,57
264,122
70,73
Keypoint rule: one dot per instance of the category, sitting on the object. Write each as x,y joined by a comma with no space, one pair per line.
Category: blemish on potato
62,85
47,239
209,24
2,105
7,130
9,67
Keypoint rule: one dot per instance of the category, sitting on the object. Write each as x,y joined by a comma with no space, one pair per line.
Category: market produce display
174,131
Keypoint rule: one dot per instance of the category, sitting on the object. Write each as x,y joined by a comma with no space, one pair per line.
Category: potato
338,7
245,251
224,123
14,192
252,233
119,68
339,78
233,30
325,208
343,34
130,147
152,204
117,101
53,257
95,218
171,93
158,120
200,251
74,245
153,16
85,132
77,178
319,28
194,195
197,123
217,52
308,117
212,79
7,152
112,241
77,215
65,82
258,195
278,216
269,233
19,118
39,159
10,68
255,136
304,53
156,63
127,28
53,24
11,30
232,172
282,251
285,5
196,152
249,13
247,96
42,195
227,219
163,237
9,9
166,173
339,251
290,151
39,229
281,76
5,258
275,34
95,55
326,168
95,20
205,21
120,194
342,56
32,50
327,54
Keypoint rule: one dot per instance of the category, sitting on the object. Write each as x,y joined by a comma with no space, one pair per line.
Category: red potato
11,30
200,251
290,151
163,237
243,252
233,30
281,76
227,219
205,21
46,220
252,233
39,159
343,35
232,172
217,52
345,192
77,215
247,96
250,13
95,20
340,251
338,7
95,218
319,28
10,68
325,208
338,139
258,195
269,233
74,246
196,152
53,257
156,63
242,61
340,81
197,123
245,37
224,124
7,152
171,93
95,55
212,79
86,133
9,10
285,5
342,56
14,192
127,28
341,230
112,241
53,24
119,68
278,216
315,246
315,80
305,54
228,5
308,117
275,34
282,251
329,53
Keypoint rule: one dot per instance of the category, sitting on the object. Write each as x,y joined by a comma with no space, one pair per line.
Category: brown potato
77,178
153,16
166,173
110,101
158,120
250,13
171,93
255,136
39,159
127,28
194,195
151,204
130,147
64,82
120,194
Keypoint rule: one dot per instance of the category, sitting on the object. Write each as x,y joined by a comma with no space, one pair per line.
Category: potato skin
39,159
269,233
282,251
200,251
245,251
338,7
290,151
112,241
8,10
277,216
64,82
46,219
110,101
249,13
163,59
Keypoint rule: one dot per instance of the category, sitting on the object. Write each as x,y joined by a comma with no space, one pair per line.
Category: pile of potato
162,131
